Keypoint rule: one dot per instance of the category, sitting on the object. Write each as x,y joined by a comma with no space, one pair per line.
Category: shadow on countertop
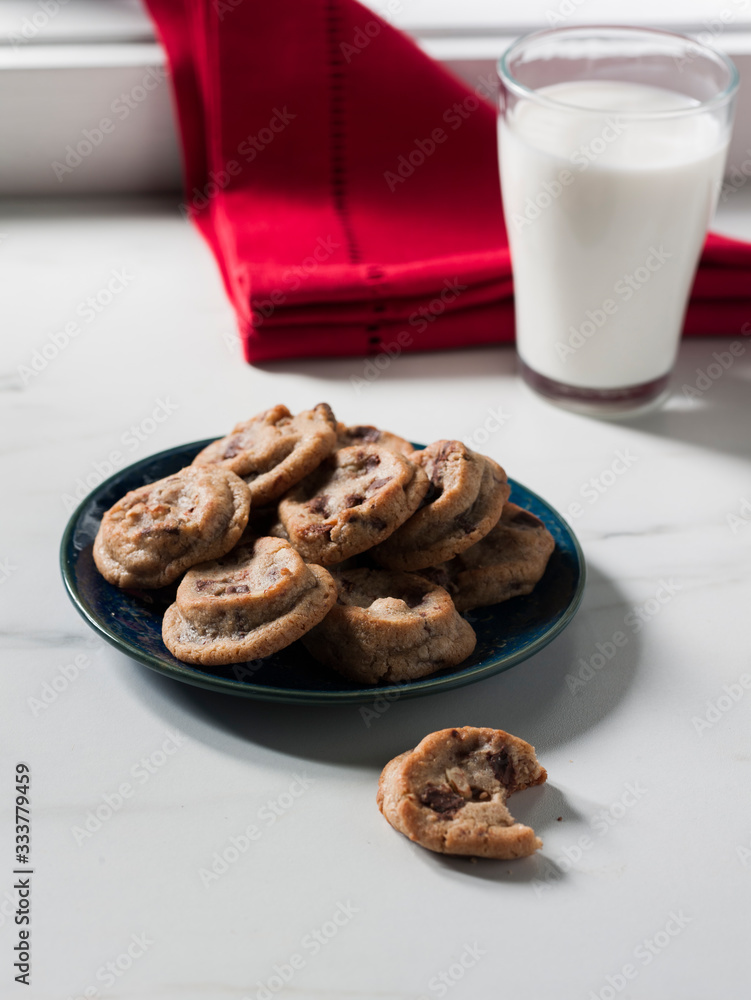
466,362
717,418
548,700
541,808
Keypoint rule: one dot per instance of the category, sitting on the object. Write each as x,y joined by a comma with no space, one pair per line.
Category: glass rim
509,81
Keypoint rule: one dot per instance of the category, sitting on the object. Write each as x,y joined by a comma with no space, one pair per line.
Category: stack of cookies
298,527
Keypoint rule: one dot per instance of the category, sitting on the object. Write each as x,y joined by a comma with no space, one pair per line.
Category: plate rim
409,689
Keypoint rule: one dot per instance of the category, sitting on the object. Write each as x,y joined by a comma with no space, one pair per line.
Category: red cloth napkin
348,184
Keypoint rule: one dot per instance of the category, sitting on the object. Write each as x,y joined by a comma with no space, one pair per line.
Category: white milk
606,218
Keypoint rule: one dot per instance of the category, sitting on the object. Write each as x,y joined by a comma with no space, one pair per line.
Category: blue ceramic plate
507,633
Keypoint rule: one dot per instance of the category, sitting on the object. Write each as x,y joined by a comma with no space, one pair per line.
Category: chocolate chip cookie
356,498
465,499
156,532
508,562
274,450
449,793
389,626
254,601
366,434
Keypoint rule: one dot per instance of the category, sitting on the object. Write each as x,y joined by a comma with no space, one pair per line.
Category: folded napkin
348,184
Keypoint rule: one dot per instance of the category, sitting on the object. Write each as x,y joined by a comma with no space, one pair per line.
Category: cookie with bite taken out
449,794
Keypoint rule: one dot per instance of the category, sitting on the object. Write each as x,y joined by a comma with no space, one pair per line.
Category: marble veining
231,849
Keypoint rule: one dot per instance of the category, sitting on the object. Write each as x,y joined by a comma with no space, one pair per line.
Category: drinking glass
612,144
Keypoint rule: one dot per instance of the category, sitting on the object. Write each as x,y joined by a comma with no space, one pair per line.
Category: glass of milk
612,150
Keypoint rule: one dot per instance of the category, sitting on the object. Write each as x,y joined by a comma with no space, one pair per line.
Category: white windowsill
67,75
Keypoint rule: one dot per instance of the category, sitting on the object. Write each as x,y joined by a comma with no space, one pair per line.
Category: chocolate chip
311,530
465,522
442,800
203,584
161,529
377,523
368,435
448,448
525,518
234,447
502,767
319,504
240,588
368,461
353,500
378,483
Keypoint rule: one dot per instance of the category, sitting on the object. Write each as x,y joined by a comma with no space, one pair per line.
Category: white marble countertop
642,888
